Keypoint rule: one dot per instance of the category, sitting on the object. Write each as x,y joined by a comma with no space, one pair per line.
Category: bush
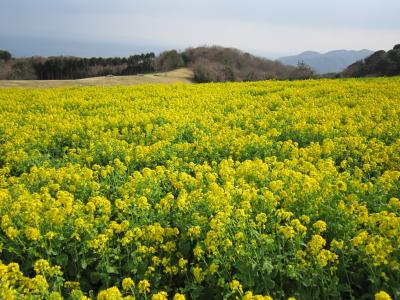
5,55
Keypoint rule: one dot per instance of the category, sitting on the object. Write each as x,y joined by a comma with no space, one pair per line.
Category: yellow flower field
258,190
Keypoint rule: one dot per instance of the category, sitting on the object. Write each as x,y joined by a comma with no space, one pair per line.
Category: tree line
209,64
66,67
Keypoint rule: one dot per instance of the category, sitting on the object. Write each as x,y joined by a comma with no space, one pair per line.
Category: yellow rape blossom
127,283
187,187
144,286
160,296
382,295
320,226
179,296
109,294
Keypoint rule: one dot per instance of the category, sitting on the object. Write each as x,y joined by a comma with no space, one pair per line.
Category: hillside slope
219,64
209,64
380,63
184,75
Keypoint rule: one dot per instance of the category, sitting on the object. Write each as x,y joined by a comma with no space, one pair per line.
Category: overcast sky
263,27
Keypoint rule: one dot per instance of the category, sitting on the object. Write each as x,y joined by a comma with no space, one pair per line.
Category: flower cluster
266,190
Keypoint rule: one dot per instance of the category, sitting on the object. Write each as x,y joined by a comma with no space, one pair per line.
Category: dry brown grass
180,75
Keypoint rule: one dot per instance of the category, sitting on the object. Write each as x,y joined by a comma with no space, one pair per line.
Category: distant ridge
331,62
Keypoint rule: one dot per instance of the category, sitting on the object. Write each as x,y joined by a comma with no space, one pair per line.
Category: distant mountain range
330,62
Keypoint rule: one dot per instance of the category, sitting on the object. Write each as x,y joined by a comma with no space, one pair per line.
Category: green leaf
267,266
111,270
84,264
